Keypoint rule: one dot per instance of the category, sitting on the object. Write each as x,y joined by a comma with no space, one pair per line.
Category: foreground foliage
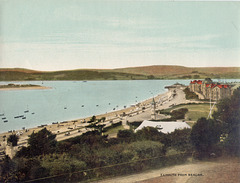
90,155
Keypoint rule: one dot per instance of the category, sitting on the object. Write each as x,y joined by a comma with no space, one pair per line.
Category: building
210,89
164,127
175,86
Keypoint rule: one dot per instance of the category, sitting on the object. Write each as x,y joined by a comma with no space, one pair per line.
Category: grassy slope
184,72
68,75
195,111
147,72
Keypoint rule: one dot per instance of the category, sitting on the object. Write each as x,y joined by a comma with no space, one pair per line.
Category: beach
26,88
69,129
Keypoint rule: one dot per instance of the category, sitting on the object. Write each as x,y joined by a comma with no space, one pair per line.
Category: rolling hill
130,73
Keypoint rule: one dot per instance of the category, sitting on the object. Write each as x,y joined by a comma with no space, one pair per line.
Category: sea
70,100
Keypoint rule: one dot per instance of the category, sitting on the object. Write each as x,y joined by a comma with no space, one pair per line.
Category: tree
13,139
126,135
97,127
204,136
93,119
228,115
180,139
40,143
149,133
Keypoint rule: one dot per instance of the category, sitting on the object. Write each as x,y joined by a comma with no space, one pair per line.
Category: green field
195,111
114,130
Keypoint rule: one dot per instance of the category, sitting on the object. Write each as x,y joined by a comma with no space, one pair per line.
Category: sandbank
25,88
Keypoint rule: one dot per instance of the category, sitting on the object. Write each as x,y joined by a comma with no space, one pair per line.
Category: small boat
24,118
96,105
4,118
82,105
65,107
33,113
17,117
21,116
26,111
5,121
109,103
114,109
1,114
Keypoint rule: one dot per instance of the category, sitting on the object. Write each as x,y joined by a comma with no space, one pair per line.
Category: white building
164,127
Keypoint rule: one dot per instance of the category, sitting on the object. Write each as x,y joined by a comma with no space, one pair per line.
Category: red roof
213,85
196,81
210,85
226,86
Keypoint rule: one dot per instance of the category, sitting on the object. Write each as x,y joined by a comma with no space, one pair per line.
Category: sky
73,34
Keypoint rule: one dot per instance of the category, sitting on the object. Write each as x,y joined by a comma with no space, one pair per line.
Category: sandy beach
26,88
138,112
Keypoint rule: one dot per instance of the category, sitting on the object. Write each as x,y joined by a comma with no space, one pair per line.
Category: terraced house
209,89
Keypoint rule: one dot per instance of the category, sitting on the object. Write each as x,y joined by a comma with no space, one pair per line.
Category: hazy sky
72,34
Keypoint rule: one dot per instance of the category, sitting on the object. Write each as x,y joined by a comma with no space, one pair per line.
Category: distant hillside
131,73
173,72
18,75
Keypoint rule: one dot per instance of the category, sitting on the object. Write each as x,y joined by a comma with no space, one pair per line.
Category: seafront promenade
73,128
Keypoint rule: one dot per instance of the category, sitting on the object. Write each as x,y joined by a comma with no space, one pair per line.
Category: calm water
66,98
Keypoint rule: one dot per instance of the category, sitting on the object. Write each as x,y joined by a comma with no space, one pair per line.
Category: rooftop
164,127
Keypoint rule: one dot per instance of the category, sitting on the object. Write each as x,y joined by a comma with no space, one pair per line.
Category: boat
5,121
65,107
26,111
4,118
2,114
82,105
33,113
24,118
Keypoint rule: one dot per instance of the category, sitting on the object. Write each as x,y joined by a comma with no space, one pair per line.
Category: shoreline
72,128
74,125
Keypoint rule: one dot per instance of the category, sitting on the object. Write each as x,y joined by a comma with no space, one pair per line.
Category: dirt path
217,171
